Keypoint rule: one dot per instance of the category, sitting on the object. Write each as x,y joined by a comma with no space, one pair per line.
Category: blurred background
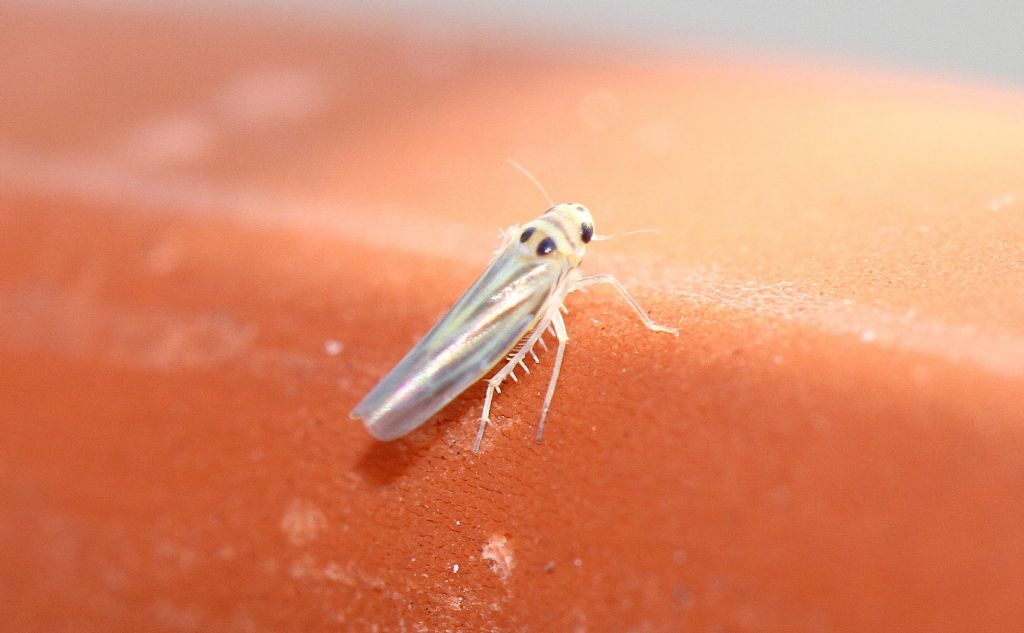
978,39
222,222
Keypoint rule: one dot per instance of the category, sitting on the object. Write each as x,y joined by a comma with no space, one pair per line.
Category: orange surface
218,234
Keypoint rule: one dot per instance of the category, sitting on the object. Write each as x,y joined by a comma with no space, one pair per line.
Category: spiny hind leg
494,382
485,417
563,338
628,298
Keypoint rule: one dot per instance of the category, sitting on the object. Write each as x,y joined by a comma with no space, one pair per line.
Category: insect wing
501,306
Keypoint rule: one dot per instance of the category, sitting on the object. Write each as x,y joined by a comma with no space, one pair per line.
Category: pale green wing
501,306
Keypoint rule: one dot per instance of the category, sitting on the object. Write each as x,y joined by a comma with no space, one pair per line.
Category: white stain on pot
498,553
302,522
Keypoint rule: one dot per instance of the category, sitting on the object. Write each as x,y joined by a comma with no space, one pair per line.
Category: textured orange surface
218,233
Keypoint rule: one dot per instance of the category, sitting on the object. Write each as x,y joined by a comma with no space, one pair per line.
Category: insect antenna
603,238
533,179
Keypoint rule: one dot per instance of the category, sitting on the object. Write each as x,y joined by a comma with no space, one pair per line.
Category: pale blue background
983,40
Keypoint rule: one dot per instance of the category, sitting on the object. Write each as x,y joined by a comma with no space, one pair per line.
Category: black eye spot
526,234
546,246
587,232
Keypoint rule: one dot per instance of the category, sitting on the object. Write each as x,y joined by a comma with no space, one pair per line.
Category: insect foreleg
610,279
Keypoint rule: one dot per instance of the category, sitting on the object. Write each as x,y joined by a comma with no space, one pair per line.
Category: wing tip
376,427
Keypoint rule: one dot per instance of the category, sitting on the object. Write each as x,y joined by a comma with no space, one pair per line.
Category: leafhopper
505,313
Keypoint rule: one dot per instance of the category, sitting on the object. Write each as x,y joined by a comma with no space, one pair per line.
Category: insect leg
485,417
494,382
563,338
610,279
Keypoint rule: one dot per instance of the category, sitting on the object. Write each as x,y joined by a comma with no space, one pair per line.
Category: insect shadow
384,462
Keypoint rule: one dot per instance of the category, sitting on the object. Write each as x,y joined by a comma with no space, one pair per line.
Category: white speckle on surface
455,568
336,573
578,562
332,347
867,336
302,522
457,522
1001,202
498,553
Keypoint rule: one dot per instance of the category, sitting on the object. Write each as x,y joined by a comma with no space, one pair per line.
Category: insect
503,315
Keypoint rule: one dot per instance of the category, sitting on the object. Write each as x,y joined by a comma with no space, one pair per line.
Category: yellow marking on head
562,232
